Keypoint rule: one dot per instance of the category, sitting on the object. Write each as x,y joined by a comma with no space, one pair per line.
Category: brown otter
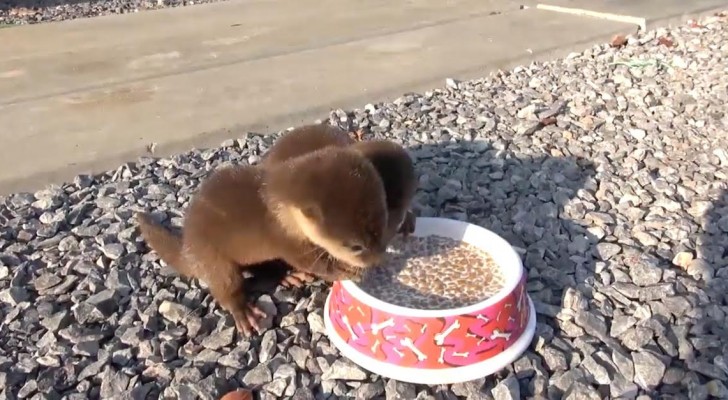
394,165
323,213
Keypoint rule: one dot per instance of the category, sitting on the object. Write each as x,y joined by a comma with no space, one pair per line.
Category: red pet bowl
436,346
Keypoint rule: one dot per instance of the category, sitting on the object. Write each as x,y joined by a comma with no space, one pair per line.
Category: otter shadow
525,200
530,201
702,333
534,202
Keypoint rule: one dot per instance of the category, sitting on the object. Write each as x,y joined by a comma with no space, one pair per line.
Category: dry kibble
432,273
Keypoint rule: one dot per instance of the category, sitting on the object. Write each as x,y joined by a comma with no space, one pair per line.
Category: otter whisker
318,257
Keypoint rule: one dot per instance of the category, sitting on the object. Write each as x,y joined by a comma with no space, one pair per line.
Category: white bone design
520,300
399,353
378,327
375,345
360,326
497,317
497,334
407,328
471,335
483,318
390,337
423,329
511,319
440,337
360,311
462,355
481,341
345,319
408,343
441,359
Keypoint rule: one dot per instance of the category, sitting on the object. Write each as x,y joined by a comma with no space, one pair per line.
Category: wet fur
243,216
391,160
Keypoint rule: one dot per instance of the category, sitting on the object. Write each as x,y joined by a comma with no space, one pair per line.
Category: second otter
392,162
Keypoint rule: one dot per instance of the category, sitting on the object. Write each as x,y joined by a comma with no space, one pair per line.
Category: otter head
334,198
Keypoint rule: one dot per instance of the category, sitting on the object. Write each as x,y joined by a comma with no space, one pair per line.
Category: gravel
20,12
607,170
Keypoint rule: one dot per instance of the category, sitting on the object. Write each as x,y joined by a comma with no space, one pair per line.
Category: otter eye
356,248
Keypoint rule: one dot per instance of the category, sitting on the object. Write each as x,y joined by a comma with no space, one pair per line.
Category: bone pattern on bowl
429,343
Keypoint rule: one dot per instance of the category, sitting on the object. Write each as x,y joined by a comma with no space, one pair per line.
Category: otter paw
297,279
409,223
246,319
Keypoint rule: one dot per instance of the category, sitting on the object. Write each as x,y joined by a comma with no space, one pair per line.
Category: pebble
648,370
395,390
218,340
507,389
259,375
346,370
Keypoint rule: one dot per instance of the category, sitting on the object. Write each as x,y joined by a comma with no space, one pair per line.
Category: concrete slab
89,53
646,14
86,95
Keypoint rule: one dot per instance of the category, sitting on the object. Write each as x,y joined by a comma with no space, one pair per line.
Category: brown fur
392,162
243,216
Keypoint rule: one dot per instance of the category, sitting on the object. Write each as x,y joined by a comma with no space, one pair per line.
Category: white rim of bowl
429,226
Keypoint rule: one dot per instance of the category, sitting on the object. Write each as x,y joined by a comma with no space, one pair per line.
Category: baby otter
392,162
323,213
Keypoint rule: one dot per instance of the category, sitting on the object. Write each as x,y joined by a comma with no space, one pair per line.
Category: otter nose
375,258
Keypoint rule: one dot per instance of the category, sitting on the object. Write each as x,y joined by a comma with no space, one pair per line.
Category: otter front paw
297,279
408,225
246,318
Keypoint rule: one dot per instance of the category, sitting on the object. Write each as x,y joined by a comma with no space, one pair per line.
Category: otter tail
165,242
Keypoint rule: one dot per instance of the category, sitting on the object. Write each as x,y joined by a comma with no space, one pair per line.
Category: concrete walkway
86,95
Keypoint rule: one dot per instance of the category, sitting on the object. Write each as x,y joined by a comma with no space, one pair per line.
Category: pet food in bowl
448,305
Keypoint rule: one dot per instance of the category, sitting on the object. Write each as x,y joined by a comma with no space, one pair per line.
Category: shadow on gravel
703,349
527,200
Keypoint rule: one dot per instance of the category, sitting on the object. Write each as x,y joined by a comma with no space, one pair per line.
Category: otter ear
312,212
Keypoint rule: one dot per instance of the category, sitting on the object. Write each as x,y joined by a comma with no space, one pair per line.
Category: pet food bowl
436,346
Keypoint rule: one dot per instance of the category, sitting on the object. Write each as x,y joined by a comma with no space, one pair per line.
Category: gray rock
648,370
259,375
620,387
277,387
717,389
316,323
624,364
599,372
217,340
14,295
173,311
592,323
368,391
114,250
554,359
620,325
644,272
507,389
113,383
302,394
346,370
267,346
395,390
581,391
